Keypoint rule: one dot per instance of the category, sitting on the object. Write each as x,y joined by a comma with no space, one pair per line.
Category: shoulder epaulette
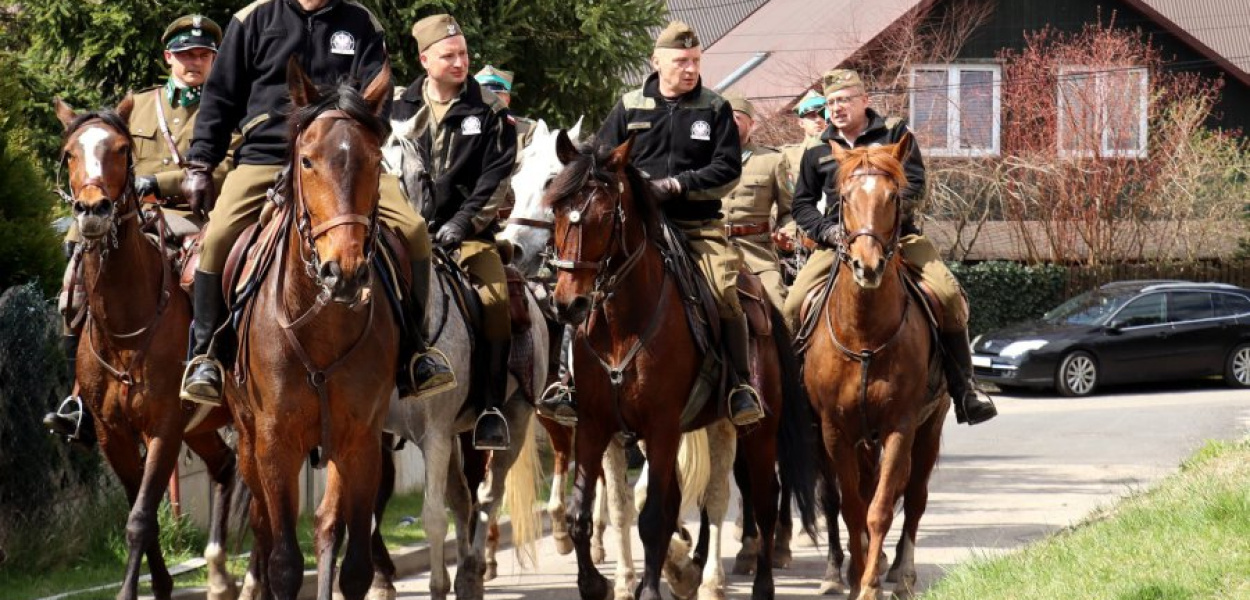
242,14
892,122
635,100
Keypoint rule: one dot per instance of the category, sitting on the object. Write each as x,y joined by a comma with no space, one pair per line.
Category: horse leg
782,556
470,524
590,446
762,464
359,473
143,525
840,452
383,586
561,445
616,492
438,450
121,449
328,528
220,461
279,473
597,552
915,499
724,437
744,563
895,471
831,505
658,519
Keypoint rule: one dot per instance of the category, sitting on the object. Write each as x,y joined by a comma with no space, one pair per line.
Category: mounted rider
853,125
812,120
686,142
160,126
472,146
499,82
336,40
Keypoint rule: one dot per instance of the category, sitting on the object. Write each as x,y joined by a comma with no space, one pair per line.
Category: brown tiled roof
712,19
1031,241
1219,29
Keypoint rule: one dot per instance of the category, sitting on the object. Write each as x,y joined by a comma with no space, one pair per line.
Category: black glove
666,189
147,186
198,187
830,236
449,235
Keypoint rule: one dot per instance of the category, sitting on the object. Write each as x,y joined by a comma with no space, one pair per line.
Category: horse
316,358
613,285
135,334
872,376
437,423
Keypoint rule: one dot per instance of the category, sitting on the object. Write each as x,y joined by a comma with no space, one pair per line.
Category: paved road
1042,465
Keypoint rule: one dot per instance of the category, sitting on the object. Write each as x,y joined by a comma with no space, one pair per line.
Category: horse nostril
330,273
518,254
579,304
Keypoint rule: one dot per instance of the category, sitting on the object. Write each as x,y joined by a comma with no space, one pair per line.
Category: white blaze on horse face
868,184
91,142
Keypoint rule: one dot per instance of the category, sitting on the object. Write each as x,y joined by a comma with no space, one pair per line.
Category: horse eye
306,162
547,184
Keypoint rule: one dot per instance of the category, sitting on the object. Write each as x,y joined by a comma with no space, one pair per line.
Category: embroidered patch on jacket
342,43
471,126
701,131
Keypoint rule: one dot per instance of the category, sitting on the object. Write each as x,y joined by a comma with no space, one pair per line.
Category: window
1102,112
1189,306
1229,305
1146,310
955,109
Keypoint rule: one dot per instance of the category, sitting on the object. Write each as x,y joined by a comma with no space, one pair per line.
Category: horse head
603,217
869,180
336,165
97,153
530,225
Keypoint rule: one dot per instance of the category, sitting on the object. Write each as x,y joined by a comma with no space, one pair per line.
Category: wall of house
1012,18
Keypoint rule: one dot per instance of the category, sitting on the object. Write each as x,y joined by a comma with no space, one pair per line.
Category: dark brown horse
134,338
870,373
318,344
636,360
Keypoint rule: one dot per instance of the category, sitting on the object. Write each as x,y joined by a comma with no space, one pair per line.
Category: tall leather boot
201,382
71,420
558,402
957,364
744,401
423,371
490,432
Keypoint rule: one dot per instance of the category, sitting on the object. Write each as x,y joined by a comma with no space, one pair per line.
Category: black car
1124,332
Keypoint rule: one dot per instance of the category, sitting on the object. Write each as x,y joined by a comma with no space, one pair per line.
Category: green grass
1187,538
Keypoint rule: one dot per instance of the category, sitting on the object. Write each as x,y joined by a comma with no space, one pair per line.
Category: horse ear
620,156
125,107
902,148
379,89
565,150
576,130
303,92
64,113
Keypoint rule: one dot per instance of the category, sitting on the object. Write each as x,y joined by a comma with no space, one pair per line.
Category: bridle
126,209
607,277
845,238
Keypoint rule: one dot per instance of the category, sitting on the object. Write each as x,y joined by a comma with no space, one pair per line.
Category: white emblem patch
701,131
342,43
471,126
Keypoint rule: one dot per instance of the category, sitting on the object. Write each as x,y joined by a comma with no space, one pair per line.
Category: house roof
1215,28
712,19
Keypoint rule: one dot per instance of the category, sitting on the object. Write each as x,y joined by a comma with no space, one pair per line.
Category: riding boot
202,380
490,432
558,402
71,420
960,383
423,371
744,401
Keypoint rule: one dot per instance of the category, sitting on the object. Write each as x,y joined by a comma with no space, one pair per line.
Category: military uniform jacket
471,155
818,171
247,88
762,194
153,157
694,140
794,157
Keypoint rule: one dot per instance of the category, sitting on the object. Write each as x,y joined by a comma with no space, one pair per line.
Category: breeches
760,257
718,260
481,260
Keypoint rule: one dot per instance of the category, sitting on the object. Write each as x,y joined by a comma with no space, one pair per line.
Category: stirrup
74,403
559,395
507,435
987,412
748,418
431,386
190,368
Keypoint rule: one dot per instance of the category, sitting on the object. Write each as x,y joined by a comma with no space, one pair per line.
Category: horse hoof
492,571
598,555
744,565
250,590
381,592
564,544
782,560
224,592
711,594
831,587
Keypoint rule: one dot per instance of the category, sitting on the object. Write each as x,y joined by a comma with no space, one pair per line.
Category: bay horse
612,284
317,353
871,374
134,338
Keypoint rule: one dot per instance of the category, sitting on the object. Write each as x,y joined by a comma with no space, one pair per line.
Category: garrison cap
191,31
495,80
840,79
810,102
677,35
434,29
739,103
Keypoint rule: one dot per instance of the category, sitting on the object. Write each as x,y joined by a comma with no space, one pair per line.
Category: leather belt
741,229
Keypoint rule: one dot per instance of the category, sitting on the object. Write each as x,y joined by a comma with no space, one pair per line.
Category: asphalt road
1044,464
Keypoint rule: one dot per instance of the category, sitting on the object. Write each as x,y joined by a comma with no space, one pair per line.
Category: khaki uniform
504,198
794,155
761,199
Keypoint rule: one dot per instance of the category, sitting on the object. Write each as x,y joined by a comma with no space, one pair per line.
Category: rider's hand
450,235
666,189
198,188
782,239
830,236
146,186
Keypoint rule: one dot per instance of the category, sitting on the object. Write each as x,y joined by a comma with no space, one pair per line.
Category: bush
1002,293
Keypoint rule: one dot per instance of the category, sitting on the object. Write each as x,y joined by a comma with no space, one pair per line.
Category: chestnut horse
134,338
318,343
614,286
871,376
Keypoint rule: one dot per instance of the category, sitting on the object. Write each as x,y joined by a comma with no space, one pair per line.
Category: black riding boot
957,363
201,382
744,401
490,432
423,371
558,402
71,420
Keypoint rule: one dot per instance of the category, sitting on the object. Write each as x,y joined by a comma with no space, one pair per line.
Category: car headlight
1022,347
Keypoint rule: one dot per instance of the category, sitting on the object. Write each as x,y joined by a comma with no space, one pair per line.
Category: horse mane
342,96
108,115
871,158
591,156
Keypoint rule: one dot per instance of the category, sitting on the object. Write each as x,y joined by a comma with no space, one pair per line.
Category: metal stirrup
507,433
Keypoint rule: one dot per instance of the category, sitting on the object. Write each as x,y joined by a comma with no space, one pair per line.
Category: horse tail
520,496
795,438
240,509
694,468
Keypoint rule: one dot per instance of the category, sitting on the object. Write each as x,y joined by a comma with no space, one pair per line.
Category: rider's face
848,108
191,66
813,123
447,61
678,69
745,124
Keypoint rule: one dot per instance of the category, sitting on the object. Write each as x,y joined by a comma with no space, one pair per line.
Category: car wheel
1237,368
1078,374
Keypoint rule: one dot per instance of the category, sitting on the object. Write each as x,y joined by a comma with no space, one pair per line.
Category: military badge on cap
840,79
191,31
434,29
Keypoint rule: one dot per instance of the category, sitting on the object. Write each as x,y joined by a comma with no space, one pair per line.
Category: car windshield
1091,308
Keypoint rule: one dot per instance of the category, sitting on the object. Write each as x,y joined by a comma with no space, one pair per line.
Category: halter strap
535,223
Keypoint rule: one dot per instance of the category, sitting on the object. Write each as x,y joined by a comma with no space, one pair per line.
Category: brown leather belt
739,230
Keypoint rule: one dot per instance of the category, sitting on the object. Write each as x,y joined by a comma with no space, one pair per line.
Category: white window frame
1100,115
953,149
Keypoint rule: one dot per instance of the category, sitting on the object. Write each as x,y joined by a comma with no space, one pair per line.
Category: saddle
817,297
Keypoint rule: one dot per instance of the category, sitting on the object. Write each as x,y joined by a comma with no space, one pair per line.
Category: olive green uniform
761,200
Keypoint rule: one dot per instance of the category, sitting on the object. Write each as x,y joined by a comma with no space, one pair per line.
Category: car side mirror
1113,329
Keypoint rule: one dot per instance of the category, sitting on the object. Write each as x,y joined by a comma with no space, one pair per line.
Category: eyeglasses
843,101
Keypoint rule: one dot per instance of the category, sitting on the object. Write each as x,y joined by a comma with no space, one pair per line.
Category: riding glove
830,236
666,189
146,186
198,187
449,235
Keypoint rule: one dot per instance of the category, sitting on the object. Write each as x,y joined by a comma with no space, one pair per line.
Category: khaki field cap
739,103
677,35
434,29
840,79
